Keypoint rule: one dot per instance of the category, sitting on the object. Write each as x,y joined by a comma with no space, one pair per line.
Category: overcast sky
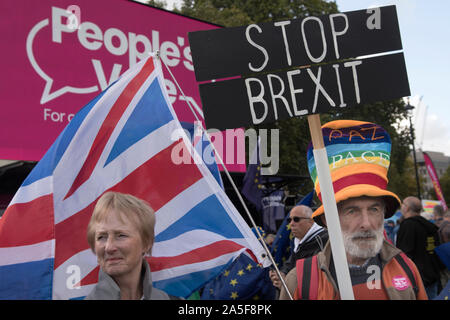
425,31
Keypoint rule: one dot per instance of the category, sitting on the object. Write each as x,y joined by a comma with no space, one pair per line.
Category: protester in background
444,229
121,234
359,154
444,249
309,239
417,237
438,214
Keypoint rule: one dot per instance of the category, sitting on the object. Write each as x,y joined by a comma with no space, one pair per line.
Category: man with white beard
362,228
358,154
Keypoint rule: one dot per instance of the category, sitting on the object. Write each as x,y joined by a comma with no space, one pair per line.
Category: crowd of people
418,234
415,238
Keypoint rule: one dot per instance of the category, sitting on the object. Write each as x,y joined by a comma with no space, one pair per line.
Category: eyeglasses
296,219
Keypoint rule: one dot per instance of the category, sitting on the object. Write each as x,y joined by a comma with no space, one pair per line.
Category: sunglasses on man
296,219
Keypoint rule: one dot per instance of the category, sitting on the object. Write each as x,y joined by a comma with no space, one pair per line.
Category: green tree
403,182
231,13
227,16
157,3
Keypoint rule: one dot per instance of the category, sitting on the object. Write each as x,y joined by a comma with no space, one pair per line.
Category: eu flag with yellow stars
252,184
242,280
445,293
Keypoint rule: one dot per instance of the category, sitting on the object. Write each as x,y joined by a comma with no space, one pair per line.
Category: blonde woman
121,233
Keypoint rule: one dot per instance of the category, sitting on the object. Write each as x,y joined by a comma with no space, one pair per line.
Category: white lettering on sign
338,82
101,75
92,38
254,99
337,33
133,41
286,44
259,107
294,91
322,34
278,95
312,23
353,65
115,41
89,35
55,116
264,51
170,53
319,87
122,48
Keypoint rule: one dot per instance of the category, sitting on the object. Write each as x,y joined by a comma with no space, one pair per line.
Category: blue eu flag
242,280
251,187
445,293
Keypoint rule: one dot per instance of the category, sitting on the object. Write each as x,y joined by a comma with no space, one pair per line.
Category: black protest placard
229,52
265,98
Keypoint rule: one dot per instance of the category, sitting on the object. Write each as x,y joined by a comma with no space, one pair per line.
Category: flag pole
260,237
330,209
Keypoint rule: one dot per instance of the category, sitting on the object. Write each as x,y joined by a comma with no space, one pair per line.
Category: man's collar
314,229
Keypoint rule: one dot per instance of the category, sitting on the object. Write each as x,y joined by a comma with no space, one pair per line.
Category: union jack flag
123,140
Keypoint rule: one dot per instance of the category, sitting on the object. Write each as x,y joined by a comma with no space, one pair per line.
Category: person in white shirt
310,238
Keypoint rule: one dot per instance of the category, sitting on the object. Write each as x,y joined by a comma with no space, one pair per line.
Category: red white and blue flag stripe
123,141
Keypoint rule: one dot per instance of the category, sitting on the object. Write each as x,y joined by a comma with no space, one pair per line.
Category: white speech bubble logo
47,95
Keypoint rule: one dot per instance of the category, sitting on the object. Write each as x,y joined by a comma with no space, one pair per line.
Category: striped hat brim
391,199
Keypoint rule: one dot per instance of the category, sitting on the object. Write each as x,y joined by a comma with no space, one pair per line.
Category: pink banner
434,179
58,55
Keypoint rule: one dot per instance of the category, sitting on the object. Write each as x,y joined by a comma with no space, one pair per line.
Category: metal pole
415,160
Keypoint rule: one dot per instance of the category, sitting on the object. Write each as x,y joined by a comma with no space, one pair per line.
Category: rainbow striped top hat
359,157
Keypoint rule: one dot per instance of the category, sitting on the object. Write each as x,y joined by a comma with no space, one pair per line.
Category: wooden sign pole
330,209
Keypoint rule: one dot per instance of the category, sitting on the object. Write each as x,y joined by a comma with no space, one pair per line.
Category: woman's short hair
137,211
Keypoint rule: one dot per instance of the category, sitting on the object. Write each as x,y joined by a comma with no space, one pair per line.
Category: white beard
363,244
